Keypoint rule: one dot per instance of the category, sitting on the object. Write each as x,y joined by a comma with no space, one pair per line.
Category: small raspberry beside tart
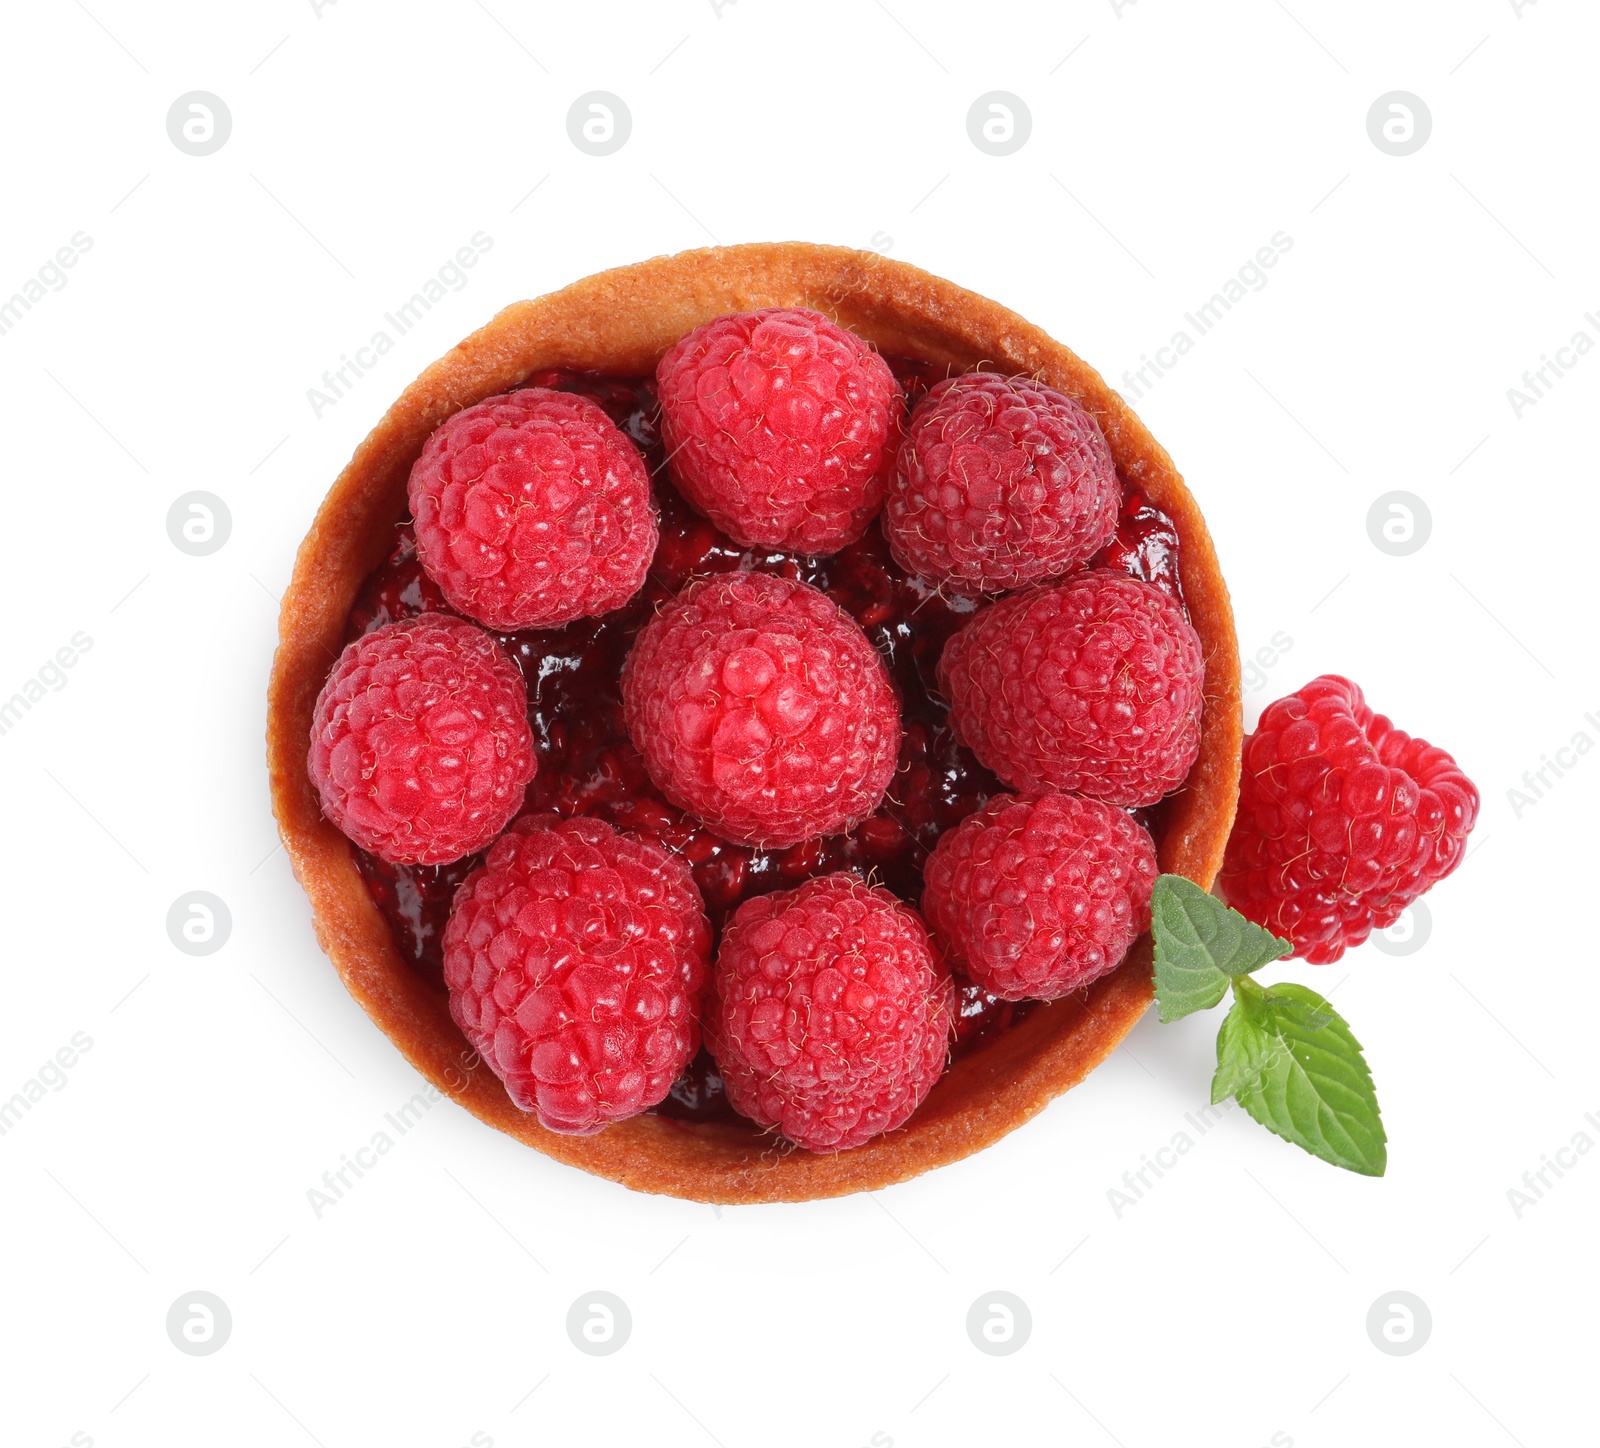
1344,820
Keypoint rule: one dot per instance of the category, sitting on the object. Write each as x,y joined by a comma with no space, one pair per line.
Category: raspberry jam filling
588,766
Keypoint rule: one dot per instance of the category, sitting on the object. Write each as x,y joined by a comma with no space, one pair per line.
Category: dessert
420,746
1000,482
575,958
829,1015
532,510
1344,820
780,426
605,337
759,706
1095,686
1036,898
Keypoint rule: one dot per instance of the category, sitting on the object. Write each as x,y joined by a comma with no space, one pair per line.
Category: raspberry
829,1014
1035,899
420,746
1001,482
575,957
1093,686
1343,820
533,510
780,427
760,707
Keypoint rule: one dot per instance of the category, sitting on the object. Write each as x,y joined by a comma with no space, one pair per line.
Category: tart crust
622,321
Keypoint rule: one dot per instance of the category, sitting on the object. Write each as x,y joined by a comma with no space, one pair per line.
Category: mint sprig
1200,946
1283,1052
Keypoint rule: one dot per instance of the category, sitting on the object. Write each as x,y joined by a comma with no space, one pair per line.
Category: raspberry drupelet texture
1000,482
780,427
532,509
420,745
761,708
1093,686
829,1015
575,958
1343,820
1034,899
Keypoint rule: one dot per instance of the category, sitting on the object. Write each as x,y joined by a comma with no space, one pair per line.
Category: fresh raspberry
760,707
1343,820
420,746
780,427
1035,899
829,1014
1093,686
575,957
533,510
1001,482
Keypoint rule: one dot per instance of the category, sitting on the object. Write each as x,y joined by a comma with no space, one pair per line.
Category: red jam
588,766
1146,544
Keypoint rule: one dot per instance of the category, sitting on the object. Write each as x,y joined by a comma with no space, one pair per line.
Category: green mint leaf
1200,946
1246,1049
1290,1060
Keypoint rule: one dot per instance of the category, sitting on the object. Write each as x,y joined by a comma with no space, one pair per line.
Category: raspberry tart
753,922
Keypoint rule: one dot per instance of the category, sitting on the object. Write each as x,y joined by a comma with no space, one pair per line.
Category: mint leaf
1246,1049
1283,1051
1291,1062
1200,945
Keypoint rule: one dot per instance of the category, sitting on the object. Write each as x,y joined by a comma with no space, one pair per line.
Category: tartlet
621,322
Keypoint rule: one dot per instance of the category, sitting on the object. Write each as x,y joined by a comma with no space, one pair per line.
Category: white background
1169,142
